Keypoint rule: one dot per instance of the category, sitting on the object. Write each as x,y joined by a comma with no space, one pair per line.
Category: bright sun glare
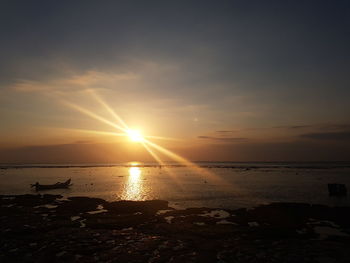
135,135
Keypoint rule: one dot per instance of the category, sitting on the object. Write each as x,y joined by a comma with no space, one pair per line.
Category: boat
58,185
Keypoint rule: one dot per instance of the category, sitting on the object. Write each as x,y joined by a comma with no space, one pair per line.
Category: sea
204,184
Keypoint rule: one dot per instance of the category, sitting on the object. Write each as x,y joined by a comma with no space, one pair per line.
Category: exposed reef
49,228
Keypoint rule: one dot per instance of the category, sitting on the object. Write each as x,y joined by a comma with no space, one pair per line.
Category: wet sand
48,228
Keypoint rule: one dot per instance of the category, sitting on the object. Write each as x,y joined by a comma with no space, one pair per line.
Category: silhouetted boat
57,185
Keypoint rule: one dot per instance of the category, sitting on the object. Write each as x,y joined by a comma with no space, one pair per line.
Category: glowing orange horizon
136,136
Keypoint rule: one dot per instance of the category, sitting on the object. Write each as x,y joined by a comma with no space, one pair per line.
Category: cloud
335,136
228,131
330,126
293,127
83,142
87,80
223,139
337,126
77,152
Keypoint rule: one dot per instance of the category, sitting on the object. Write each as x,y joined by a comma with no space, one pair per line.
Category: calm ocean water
226,185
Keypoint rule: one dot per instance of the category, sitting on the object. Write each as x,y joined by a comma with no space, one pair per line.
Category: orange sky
221,82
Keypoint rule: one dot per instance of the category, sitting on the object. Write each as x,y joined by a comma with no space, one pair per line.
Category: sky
217,80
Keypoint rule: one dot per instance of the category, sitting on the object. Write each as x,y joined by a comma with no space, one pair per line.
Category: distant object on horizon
337,190
57,185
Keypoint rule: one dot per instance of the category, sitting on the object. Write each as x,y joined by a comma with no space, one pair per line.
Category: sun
135,135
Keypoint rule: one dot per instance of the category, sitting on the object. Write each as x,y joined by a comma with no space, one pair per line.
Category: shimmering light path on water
239,187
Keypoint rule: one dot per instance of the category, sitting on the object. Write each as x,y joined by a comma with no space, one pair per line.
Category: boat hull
40,187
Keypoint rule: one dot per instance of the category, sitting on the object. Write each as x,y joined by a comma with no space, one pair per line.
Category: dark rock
124,207
337,190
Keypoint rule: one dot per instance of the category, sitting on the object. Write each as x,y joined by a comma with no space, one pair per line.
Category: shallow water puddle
46,206
8,198
169,219
160,212
73,218
326,231
97,212
99,209
11,205
253,224
225,222
217,214
325,228
82,223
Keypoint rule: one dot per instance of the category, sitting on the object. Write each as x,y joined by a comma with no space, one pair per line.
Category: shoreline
41,228
202,164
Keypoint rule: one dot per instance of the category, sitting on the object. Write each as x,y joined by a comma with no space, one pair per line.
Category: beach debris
337,189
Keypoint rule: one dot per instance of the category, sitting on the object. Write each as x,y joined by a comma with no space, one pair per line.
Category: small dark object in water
57,185
337,189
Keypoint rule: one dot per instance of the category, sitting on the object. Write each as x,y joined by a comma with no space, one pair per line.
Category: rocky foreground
48,228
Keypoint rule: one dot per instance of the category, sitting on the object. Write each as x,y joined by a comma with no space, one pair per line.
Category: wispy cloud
83,142
223,139
330,126
228,131
315,127
294,127
87,80
338,136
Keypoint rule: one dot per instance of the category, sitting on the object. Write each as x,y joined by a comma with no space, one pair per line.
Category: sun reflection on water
134,173
134,188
